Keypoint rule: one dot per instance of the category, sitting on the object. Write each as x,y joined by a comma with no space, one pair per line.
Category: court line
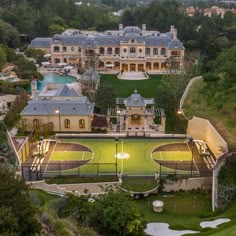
161,156
83,156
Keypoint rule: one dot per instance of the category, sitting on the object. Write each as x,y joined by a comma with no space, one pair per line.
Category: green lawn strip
75,179
146,88
180,212
139,184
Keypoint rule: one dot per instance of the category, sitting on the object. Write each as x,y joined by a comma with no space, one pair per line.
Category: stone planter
157,206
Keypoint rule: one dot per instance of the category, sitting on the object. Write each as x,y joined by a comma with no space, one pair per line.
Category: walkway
132,76
187,90
77,189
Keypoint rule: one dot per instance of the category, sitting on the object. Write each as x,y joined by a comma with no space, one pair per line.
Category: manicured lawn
124,88
180,211
140,160
139,184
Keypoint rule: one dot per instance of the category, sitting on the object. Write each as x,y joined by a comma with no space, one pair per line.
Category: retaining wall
203,183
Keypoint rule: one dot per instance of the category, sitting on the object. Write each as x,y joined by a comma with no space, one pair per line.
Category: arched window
155,51
72,49
117,51
132,50
163,51
67,123
148,51
101,50
56,49
82,123
109,51
156,66
64,49
36,123
79,49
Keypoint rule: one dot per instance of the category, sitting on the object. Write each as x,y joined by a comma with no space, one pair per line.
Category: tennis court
93,156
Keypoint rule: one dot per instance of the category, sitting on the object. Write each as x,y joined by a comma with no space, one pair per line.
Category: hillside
222,114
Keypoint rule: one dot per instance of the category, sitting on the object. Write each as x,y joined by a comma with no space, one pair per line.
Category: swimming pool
56,79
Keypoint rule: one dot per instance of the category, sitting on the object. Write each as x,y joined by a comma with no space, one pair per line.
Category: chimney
172,28
120,26
144,29
175,34
33,88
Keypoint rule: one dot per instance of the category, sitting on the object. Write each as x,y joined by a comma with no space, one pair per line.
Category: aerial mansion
128,49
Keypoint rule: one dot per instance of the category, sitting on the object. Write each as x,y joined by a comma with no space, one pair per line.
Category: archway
148,66
140,67
135,119
132,67
163,65
155,66
125,67
117,65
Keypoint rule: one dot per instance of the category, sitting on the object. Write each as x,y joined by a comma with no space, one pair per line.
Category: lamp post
58,111
116,140
118,120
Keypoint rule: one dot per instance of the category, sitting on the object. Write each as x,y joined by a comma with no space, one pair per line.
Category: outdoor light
58,111
180,111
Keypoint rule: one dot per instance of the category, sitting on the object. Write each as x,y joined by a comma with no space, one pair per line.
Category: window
155,51
56,49
109,51
72,49
132,41
57,60
140,50
101,50
148,51
132,50
67,123
163,51
125,50
64,49
117,51
36,123
81,123
79,49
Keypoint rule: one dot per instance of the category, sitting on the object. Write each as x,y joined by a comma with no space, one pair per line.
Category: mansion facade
128,49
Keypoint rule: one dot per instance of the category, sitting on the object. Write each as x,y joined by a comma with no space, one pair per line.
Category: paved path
187,90
77,189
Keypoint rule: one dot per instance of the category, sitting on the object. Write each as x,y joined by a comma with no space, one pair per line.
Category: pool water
56,79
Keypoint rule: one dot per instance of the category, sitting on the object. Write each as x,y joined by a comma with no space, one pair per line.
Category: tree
3,59
119,215
105,98
15,206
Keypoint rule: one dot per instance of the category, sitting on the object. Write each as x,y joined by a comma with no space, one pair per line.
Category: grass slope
223,118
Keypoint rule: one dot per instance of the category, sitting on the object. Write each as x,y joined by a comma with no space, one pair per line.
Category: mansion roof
111,38
81,106
135,100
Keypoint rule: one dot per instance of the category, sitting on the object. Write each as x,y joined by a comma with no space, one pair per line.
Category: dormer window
132,40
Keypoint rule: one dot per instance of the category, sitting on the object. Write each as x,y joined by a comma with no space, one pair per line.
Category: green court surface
140,161
71,156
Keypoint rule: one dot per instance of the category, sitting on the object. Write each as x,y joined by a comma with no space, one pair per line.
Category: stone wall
202,183
202,129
